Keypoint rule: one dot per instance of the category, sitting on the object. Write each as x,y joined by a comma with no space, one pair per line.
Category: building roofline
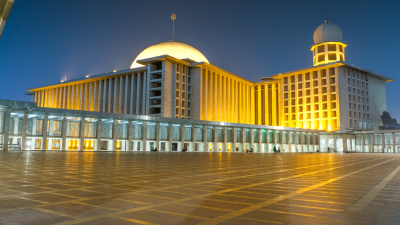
340,63
94,77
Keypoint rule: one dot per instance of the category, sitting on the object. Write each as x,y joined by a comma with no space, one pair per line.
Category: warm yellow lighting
304,126
87,75
62,81
229,147
329,127
175,49
114,71
320,127
312,126
220,147
210,147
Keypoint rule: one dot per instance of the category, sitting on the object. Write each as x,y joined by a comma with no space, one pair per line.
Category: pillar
259,139
158,147
225,139
243,139
82,133
206,149
393,143
182,137
114,134
144,135
64,133
170,137
251,139
23,132
98,133
233,148
383,142
362,143
267,140
193,130
214,138
7,118
344,142
129,144
372,142
44,131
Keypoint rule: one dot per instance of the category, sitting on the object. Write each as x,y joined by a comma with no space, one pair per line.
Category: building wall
222,97
121,94
377,101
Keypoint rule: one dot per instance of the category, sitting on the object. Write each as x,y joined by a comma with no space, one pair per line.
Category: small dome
327,32
173,48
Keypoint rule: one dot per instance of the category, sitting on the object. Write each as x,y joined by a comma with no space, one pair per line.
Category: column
64,133
24,127
251,138
44,131
205,146
267,140
344,143
362,143
7,118
215,132
259,139
225,140
281,134
144,135
82,134
114,134
243,139
158,136
182,139
383,142
170,127
130,145
393,143
372,142
193,129
98,132
234,138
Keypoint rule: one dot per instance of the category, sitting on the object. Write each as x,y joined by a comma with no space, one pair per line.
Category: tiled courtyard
198,188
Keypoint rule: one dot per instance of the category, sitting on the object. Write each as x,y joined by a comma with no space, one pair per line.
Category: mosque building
173,98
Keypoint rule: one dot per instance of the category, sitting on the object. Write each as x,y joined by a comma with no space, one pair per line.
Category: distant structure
173,98
5,9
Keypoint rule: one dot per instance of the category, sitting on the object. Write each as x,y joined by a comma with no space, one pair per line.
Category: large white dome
173,48
327,32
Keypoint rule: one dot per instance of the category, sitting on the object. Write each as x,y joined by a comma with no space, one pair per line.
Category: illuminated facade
171,89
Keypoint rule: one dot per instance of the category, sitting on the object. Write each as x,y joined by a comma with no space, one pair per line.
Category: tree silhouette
388,123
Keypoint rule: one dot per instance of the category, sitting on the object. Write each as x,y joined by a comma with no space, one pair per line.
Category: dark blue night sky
45,40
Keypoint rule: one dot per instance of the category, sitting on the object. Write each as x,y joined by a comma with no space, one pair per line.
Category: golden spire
173,17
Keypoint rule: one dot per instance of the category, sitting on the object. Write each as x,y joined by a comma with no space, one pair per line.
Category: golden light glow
220,147
229,147
175,49
328,54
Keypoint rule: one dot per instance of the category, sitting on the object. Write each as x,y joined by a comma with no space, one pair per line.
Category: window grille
255,136
209,134
34,126
1,121
106,129
122,130
151,132
54,128
164,131
176,133
199,134
188,133
219,135
137,131
229,135
90,130
238,136
247,135
73,128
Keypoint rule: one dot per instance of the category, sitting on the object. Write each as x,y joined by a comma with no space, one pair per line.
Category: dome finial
173,17
327,20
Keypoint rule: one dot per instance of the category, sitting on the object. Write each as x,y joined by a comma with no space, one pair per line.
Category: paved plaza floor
198,188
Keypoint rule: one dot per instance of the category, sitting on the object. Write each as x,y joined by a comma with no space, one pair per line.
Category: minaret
328,44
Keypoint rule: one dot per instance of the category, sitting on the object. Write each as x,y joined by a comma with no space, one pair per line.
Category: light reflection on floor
198,188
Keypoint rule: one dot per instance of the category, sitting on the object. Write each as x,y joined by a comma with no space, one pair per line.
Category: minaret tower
328,44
